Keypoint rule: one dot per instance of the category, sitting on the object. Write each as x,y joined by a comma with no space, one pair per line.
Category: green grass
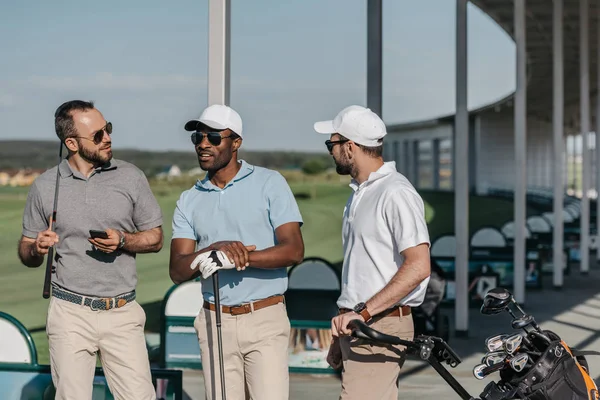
321,203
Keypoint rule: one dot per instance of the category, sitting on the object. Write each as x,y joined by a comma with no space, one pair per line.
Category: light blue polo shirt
248,209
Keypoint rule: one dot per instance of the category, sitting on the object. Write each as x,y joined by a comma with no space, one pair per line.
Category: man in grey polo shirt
249,215
93,309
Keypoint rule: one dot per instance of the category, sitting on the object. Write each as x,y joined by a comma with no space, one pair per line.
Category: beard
343,166
215,162
94,157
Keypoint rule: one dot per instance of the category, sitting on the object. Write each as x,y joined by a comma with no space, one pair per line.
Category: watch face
359,307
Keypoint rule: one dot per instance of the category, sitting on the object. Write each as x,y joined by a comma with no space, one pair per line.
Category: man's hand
236,252
339,323
107,245
43,242
210,262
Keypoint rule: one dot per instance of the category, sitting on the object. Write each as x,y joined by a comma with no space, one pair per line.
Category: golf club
48,272
493,358
519,362
513,343
522,322
215,277
495,343
495,301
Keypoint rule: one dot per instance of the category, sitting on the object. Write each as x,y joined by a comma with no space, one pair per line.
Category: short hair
374,152
63,120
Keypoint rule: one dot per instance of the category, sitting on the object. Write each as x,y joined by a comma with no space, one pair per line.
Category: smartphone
96,234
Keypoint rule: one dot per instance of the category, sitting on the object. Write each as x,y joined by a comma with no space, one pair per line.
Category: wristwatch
361,308
122,240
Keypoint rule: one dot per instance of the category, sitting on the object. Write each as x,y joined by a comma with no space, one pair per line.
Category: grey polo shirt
114,196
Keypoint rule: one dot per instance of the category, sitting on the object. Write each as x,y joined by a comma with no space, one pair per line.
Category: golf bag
560,373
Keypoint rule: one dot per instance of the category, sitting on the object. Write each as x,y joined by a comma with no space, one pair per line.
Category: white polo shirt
383,217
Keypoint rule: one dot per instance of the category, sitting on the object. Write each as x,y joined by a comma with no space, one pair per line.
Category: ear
71,144
350,149
237,143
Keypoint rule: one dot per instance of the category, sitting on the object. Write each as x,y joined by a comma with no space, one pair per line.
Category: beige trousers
76,334
255,352
371,371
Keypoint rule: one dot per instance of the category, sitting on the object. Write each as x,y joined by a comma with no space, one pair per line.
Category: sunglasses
99,135
331,143
214,138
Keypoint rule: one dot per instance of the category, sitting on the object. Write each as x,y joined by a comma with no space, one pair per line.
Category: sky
144,64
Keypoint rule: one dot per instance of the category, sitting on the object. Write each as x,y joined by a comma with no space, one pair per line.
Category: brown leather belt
248,307
391,312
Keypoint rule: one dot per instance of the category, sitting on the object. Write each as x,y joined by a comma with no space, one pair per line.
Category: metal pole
584,66
219,49
597,169
520,152
374,55
461,174
557,128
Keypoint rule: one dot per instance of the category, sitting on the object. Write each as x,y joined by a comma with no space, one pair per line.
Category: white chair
16,345
313,274
488,237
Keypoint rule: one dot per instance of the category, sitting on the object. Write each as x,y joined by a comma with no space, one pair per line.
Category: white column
520,151
219,34
557,129
597,169
584,68
374,56
461,174
435,163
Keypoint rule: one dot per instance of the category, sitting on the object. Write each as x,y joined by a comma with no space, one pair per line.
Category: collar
245,170
386,169
66,170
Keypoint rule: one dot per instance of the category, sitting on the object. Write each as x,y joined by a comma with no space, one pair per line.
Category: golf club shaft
219,337
50,259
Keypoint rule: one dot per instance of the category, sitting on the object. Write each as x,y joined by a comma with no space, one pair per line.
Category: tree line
36,154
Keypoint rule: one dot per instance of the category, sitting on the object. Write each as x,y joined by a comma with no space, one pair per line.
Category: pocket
141,313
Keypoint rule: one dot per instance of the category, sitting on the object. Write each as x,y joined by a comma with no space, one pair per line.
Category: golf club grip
361,330
48,273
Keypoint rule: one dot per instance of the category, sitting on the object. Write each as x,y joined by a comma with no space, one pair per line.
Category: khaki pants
255,352
371,371
76,333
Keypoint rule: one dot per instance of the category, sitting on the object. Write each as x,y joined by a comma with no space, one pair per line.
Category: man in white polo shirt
386,255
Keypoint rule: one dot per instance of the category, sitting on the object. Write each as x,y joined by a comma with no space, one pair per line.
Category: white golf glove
211,261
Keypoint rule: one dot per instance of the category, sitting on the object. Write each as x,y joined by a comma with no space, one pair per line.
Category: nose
204,143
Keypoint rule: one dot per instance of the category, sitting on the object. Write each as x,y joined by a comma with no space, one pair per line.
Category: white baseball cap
219,117
357,123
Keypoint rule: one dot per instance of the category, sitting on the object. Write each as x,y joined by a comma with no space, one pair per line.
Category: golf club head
478,371
522,322
495,343
495,301
512,343
493,358
519,362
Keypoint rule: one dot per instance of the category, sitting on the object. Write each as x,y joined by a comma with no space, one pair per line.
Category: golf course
321,200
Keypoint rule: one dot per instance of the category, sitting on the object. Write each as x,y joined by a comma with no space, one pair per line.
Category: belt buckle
241,309
107,304
92,304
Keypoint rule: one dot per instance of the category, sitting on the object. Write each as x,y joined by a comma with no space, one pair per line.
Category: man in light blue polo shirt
250,215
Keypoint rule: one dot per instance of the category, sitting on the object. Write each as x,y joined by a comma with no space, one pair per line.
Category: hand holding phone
97,234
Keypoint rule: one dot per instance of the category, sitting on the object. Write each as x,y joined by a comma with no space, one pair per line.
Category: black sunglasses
99,135
331,143
214,138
